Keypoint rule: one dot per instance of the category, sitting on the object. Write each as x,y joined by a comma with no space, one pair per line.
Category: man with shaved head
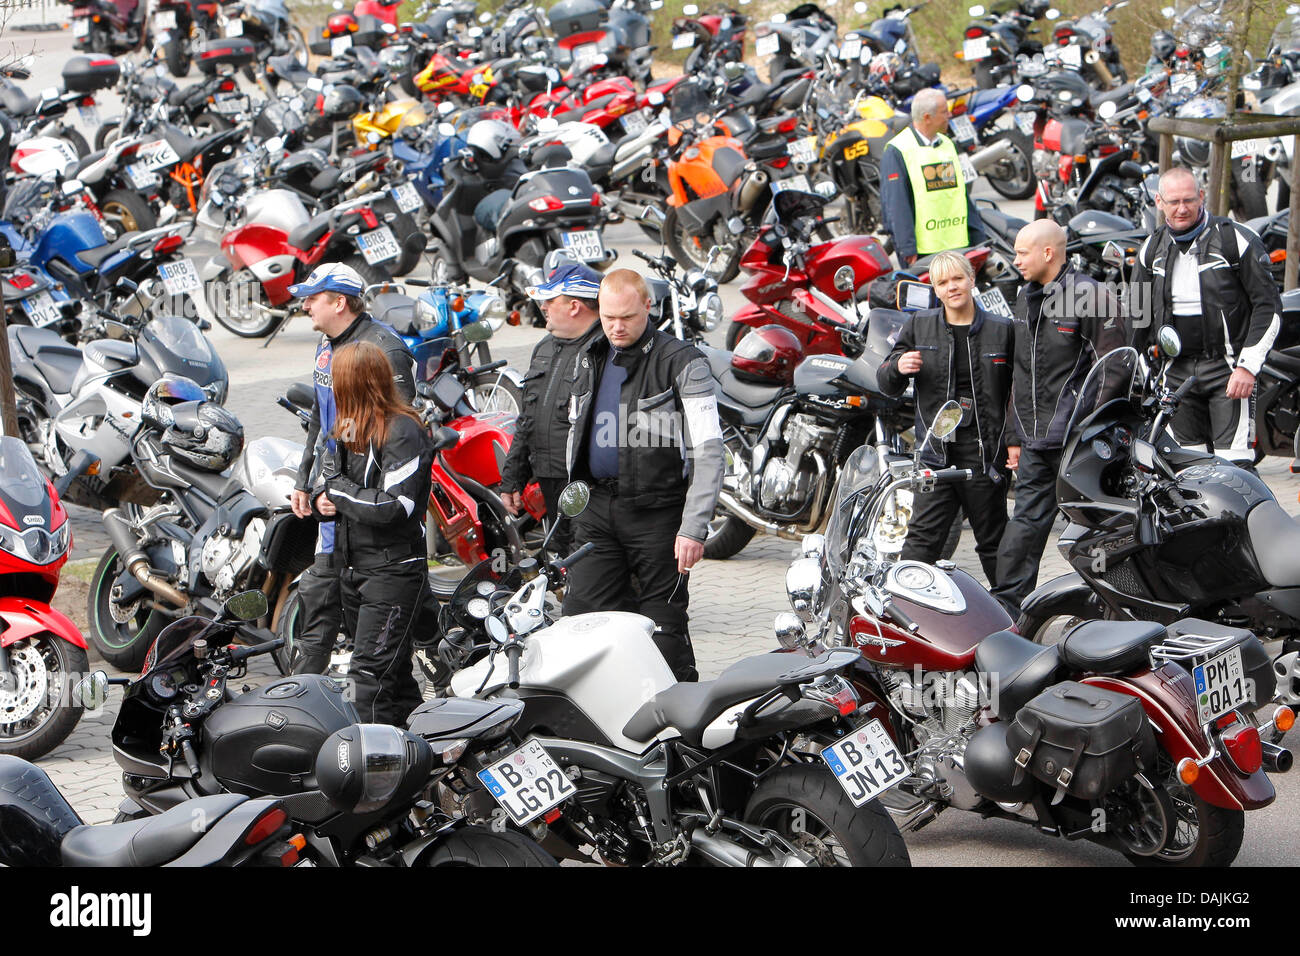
924,194
1209,278
1062,322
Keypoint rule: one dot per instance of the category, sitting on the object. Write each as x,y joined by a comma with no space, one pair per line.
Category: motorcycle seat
86,162
719,359
93,257
395,310
876,145
325,180
1117,96
305,236
690,707
1275,538
287,66
766,146
1023,669
754,96
1110,647
34,815
34,340
187,147
60,367
753,396
149,842
17,103
213,484
1001,223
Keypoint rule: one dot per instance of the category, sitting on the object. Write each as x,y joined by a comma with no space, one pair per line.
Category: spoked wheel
495,392
1195,833
243,315
694,250
38,706
122,634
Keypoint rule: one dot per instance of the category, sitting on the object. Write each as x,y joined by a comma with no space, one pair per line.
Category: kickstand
278,327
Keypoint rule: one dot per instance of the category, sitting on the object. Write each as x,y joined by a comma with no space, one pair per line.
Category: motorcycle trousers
1206,416
321,617
381,609
634,541
933,512
1030,527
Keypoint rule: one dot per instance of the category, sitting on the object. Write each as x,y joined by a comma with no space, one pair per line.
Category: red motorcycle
42,653
1125,733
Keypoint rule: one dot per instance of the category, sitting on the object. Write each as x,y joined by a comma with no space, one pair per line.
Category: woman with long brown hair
376,489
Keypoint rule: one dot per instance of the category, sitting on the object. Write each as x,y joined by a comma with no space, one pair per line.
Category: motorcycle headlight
36,545
711,311
426,314
493,311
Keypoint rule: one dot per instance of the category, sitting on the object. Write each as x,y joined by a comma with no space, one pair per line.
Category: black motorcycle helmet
342,102
366,767
1163,45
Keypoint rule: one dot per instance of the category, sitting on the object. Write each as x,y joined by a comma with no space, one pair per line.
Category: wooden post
1214,187
1293,228
1166,152
8,401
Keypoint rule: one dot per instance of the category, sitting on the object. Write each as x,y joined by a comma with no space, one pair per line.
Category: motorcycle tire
54,723
735,332
251,323
1022,183
445,268
810,809
481,846
124,645
373,275
128,211
984,78
178,57
728,539
77,141
298,47
1219,831
690,251
494,392
107,133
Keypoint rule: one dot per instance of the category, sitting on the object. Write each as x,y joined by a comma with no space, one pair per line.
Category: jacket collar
629,356
351,330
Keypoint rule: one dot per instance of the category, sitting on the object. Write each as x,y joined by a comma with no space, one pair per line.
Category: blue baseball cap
333,277
578,281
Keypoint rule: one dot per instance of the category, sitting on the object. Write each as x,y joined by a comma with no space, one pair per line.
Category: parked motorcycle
102,26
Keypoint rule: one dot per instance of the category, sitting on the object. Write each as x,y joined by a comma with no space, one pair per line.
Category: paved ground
732,602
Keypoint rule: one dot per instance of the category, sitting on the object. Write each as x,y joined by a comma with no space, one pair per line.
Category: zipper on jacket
974,397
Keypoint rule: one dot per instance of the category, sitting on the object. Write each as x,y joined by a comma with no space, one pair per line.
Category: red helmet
341,23
767,356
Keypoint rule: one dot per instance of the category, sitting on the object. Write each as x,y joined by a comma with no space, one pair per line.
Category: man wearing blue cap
332,297
542,432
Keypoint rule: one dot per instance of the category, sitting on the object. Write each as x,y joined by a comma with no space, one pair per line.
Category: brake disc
28,673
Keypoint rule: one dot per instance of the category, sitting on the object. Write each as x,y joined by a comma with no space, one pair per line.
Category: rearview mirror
92,690
496,630
1170,344
574,498
246,606
446,129
477,331
733,70
1108,109
1112,254
547,124
945,421
1131,170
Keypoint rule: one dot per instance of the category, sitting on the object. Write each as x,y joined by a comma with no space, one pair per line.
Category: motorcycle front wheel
688,248
178,56
125,642
481,846
805,805
494,392
38,707
727,537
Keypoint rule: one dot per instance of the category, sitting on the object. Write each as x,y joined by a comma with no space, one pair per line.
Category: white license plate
164,20
766,46
340,45
89,116
799,182
1211,51
41,309
635,123
683,41
179,277
157,155
378,246
804,150
1246,147
1220,685
1025,123
80,27
994,301
586,244
967,168
527,782
866,762
231,105
852,49
1071,55
235,28
1143,94
963,130
1183,83
407,197
140,176
975,49
585,54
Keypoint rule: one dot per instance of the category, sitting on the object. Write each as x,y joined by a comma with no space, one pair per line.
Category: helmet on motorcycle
205,435
1163,45
1034,8
1196,152
166,393
341,23
342,101
491,138
366,767
884,66
767,355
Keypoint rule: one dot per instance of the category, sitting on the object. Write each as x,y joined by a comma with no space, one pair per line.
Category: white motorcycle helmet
492,138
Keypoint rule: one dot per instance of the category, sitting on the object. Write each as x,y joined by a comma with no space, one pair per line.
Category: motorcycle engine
227,558
941,707
790,480
1047,165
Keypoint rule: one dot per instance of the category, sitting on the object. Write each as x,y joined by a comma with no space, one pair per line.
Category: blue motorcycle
1003,155
423,157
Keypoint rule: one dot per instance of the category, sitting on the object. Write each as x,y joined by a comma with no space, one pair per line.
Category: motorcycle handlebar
582,552
490,366
252,650
513,650
900,617
1183,389
191,761
947,475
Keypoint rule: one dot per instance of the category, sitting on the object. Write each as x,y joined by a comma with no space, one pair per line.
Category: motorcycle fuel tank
278,208
833,374
863,254
268,468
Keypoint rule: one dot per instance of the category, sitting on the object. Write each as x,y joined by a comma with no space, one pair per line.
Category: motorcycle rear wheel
178,56
1204,835
125,644
693,251
727,538
1019,182
807,807
50,662
128,212
248,322
480,846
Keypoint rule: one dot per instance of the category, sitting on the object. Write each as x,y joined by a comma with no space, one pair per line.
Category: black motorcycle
992,42
1158,532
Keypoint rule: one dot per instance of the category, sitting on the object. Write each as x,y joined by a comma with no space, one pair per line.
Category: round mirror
733,70
92,690
946,420
655,98
446,129
1053,14
803,585
246,606
574,498
72,186
496,630
1024,92
976,11
1169,342
845,279
477,331
779,18
690,10
485,17
547,124
1107,109
789,629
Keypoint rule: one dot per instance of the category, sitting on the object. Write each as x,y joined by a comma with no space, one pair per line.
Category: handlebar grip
252,650
286,404
900,617
1183,389
953,474
577,556
490,366
513,650
190,760
422,283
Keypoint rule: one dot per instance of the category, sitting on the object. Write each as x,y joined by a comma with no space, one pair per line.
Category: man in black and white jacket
1209,278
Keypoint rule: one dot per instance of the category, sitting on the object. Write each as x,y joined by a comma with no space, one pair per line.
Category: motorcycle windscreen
847,527
23,491
174,643
1115,376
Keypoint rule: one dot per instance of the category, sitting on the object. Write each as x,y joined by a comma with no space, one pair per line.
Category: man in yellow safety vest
926,199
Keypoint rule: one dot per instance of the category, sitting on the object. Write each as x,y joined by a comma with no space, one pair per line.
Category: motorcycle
268,25
726,772
1099,737
183,736
101,26
991,42
1158,532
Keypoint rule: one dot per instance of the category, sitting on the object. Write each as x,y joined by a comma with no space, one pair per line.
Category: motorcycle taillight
973,32
1242,744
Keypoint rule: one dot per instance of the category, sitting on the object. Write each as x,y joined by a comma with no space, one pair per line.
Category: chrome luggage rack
1184,648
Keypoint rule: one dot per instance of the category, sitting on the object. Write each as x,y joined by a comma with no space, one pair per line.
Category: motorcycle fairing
484,439
456,513
24,618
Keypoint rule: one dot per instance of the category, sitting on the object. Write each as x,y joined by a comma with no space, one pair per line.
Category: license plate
80,27
586,244
1025,123
900,47
89,116
975,49
683,41
164,20
340,45
852,48
1183,83
406,197
231,105
866,763
766,46
378,246
963,130
799,182
179,277
967,168
140,176
527,782
1071,56
163,38
1143,94
804,150
1246,147
235,28
585,54
1211,51
41,309
158,155
1220,685
994,301
634,124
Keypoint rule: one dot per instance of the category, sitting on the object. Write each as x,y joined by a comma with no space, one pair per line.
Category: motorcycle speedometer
486,588
1101,448
478,608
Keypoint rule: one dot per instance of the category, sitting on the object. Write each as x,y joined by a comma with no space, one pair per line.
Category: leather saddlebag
1082,740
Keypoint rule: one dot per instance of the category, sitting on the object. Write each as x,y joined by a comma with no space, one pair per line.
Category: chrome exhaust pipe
1276,759
729,502
991,155
726,852
136,561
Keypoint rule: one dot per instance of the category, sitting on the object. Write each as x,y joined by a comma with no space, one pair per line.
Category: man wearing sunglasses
1209,278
